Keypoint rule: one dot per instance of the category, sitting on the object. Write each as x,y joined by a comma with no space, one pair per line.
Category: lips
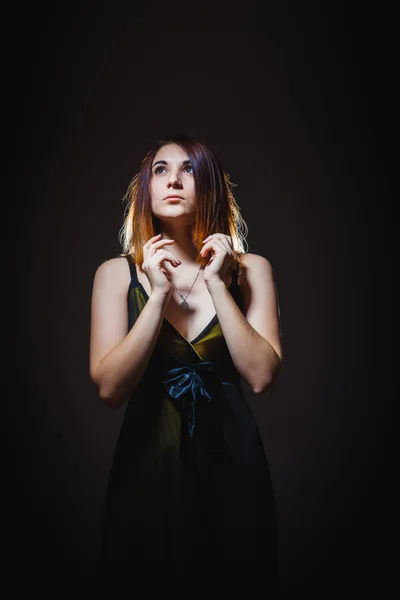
173,197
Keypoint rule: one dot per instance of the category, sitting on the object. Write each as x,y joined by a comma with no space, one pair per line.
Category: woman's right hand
154,257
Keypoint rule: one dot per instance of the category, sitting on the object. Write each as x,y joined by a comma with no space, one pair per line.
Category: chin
175,216
177,223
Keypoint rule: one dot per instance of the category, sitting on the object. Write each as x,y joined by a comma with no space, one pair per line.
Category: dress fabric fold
190,491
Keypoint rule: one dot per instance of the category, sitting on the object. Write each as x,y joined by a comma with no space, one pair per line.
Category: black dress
189,491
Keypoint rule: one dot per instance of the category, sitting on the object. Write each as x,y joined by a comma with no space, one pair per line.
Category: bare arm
253,338
118,358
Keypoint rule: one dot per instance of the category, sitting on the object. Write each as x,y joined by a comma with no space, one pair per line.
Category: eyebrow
165,162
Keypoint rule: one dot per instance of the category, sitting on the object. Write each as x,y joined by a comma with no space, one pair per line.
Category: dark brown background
295,99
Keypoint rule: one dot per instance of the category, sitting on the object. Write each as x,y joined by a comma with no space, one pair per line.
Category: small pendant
184,305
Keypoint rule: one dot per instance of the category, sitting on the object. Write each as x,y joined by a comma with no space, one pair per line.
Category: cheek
192,189
154,190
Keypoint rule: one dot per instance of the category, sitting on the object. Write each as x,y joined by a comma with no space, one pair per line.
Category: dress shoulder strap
235,289
132,268
235,274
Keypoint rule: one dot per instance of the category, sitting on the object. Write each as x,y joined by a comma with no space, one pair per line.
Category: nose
174,180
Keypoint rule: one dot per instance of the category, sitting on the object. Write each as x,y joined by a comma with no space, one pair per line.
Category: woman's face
172,187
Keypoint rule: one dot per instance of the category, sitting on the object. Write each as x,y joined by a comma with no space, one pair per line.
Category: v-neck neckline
209,325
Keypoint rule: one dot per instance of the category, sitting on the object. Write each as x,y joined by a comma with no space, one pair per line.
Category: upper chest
200,311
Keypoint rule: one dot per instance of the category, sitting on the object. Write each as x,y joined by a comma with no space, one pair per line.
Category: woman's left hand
220,250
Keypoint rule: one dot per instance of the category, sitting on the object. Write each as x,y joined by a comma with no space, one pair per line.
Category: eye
157,169
190,168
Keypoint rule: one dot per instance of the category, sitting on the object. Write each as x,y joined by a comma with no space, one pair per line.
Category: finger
156,245
209,237
163,255
221,236
225,242
207,247
213,236
215,245
151,240
161,243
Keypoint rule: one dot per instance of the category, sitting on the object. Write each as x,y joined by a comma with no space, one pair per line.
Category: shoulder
254,265
257,285
113,271
249,259
256,275
113,266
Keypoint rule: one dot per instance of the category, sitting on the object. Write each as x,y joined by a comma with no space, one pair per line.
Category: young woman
179,319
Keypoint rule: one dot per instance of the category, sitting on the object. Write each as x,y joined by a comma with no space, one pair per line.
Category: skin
118,357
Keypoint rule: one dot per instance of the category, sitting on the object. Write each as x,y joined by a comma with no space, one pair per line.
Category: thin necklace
184,304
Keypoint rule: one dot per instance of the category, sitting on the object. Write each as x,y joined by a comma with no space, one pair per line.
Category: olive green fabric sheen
183,502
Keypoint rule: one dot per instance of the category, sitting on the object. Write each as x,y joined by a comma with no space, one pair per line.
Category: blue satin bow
189,383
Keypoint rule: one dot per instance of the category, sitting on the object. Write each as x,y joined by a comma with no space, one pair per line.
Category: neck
183,247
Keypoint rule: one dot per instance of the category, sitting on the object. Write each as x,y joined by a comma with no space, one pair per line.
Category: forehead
171,153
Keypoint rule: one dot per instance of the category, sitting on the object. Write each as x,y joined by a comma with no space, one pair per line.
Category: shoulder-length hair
216,208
